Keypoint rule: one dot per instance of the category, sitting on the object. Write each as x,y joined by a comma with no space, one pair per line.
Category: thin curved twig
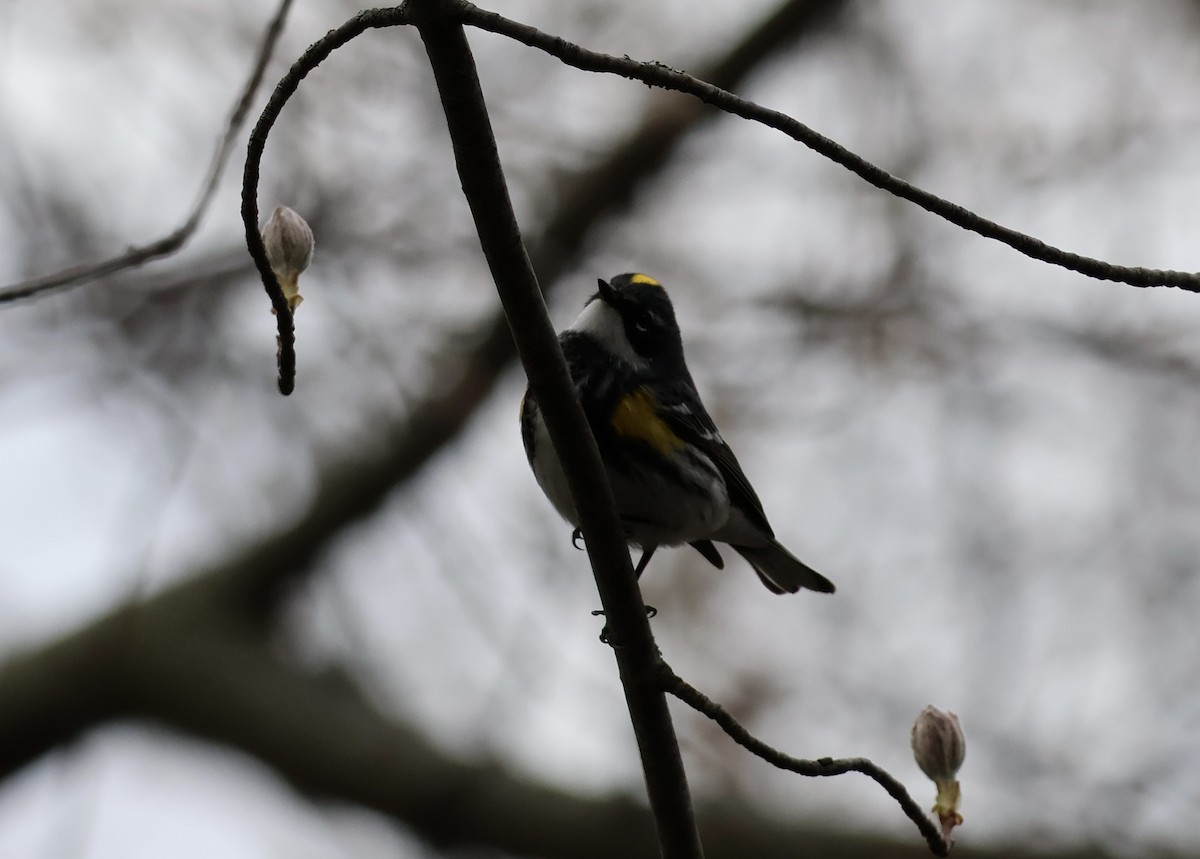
88,272
651,143
656,74
312,57
652,74
698,701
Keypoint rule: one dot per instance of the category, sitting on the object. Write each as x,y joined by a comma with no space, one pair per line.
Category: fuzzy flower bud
939,747
289,244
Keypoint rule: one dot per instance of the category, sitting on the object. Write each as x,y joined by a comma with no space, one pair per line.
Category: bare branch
79,275
675,685
483,184
593,192
352,487
284,90
656,74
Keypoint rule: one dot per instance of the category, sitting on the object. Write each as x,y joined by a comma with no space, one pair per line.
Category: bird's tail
781,571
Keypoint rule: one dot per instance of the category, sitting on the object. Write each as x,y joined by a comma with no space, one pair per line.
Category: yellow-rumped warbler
674,478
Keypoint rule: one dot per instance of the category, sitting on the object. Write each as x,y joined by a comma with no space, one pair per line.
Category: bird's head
632,316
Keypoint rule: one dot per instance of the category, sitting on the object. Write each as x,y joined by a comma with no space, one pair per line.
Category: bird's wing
683,412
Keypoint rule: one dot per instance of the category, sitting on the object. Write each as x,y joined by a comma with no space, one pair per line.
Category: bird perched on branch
674,478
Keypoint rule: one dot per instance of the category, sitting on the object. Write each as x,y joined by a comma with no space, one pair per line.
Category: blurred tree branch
245,592
78,275
191,660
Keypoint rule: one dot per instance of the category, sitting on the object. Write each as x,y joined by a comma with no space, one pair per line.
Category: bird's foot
606,633
576,536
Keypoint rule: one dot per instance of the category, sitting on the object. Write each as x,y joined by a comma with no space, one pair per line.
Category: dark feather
710,553
687,418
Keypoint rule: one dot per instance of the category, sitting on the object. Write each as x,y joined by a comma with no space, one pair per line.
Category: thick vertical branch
483,183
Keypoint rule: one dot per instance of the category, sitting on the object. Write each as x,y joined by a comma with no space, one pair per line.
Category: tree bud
289,244
939,747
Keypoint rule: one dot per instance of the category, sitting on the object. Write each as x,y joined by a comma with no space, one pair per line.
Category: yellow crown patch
644,279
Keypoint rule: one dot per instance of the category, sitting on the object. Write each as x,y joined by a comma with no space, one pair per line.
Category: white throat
602,322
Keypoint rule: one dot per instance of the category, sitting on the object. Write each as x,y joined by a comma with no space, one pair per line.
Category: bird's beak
606,293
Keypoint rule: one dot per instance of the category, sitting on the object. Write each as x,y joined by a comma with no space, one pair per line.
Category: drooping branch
659,75
588,195
284,90
88,272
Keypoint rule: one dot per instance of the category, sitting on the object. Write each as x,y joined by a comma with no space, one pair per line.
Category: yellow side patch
636,417
644,279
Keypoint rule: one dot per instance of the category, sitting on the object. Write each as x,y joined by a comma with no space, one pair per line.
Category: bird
674,478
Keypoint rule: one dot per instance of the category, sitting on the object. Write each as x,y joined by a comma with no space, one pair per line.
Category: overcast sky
992,458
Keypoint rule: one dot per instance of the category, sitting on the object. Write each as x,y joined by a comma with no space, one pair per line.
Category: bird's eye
642,324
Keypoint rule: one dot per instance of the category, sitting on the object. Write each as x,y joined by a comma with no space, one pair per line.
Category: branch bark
821,767
657,75
478,163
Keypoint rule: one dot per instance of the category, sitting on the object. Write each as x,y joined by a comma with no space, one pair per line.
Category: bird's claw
651,611
606,634
576,536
